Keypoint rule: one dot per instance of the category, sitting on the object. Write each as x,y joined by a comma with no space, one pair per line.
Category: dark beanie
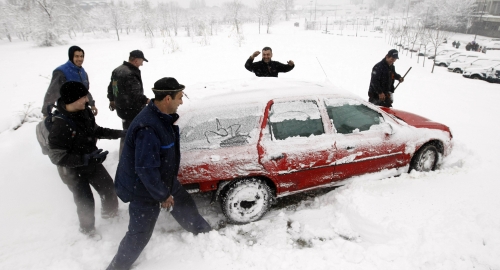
72,50
72,91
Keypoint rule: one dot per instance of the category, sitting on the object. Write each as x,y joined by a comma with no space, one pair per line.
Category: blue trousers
143,216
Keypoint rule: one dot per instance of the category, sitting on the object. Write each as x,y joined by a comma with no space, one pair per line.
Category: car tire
457,70
246,200
475,77
425,159
442,65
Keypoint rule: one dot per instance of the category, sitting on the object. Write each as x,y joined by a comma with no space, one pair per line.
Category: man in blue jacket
71,71
147,173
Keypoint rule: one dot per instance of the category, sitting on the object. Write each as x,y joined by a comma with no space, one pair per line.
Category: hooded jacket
150,160
68,146
67,72
126,90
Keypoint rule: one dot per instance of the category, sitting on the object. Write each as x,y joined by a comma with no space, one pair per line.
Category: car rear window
218,128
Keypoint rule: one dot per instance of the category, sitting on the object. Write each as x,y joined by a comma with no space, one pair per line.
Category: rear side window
350,116
295,119
212,129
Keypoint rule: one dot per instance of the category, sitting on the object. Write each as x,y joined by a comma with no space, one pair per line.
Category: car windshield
212,129
351,116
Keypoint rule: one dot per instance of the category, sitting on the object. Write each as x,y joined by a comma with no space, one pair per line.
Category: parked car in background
463,57
444,52
471,61
443,60
492,45
265,138
493,75
479,73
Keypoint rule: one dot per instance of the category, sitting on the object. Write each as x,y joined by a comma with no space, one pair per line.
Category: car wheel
246,200
457,70
475,77
425,159
442,65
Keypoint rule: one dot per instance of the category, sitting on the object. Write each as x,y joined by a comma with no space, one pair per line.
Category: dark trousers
79,181
143,216
126,124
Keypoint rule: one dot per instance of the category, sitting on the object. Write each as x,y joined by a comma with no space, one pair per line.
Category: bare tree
271,8
234,13
287,6
175,16
436,38
116,18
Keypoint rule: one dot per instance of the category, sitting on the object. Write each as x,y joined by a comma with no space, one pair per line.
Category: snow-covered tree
287,6
117,17
234,14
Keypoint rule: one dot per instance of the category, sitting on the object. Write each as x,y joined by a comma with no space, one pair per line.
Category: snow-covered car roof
254,90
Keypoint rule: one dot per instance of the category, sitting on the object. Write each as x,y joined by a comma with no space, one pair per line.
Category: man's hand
290,63
169,202
401,79
112,106
94,110
255,54
381,96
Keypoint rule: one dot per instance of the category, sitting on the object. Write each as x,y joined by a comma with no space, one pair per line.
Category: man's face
266,56
79,105
78,58
390,60
137,62
174,103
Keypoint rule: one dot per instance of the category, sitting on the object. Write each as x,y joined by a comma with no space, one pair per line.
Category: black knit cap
167,84
72,50
72,91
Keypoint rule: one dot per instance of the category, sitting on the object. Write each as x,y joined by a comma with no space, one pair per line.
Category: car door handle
277,157
350,147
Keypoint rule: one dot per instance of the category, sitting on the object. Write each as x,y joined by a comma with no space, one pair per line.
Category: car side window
350,116
295,119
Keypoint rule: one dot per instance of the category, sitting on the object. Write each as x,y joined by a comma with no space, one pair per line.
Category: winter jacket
149,163
68,146
126,90
263,69
382,79
67,72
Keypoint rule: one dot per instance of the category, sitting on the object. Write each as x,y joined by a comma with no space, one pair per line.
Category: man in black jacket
125,91
382,80
266,67
72,147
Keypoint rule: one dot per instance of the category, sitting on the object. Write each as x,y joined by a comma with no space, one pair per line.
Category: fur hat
72,91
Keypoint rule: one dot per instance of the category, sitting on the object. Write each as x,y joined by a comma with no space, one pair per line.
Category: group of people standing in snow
150,153
146,176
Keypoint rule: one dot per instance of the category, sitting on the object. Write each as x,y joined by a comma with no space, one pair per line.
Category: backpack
43,128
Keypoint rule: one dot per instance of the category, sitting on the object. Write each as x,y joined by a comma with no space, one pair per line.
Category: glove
96,157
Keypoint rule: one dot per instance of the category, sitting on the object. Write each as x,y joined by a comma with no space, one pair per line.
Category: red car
266,138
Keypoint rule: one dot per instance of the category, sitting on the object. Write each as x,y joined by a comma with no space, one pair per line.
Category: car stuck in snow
280,136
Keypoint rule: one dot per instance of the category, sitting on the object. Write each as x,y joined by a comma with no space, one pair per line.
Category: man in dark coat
266,67
68,72
72,147
382,80
125,91
147,174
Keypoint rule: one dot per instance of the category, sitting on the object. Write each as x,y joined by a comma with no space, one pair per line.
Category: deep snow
447,219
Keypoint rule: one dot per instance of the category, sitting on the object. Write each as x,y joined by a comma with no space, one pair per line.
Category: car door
296,148
364,141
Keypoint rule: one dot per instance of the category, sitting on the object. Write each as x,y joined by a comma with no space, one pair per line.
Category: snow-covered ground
447,219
